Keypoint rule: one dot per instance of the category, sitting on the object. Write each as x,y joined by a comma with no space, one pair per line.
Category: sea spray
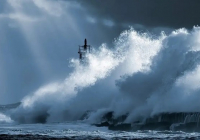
59,98
99,66
157,91
141,76
5,119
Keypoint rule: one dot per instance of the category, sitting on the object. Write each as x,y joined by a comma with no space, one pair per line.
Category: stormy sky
39,37
150,13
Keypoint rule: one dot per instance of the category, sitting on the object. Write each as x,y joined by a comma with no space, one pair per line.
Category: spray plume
142,75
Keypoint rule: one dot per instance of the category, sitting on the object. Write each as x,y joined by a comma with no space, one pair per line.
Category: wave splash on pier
140,75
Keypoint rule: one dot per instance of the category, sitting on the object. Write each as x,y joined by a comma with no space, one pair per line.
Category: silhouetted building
83,50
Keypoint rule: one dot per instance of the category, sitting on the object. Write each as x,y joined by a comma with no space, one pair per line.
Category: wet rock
121,127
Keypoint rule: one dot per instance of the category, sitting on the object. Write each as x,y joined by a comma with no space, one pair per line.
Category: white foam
5,119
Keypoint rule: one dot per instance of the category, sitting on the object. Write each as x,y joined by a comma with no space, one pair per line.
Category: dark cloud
150,13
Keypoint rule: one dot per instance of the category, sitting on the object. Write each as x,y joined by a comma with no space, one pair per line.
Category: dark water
78,130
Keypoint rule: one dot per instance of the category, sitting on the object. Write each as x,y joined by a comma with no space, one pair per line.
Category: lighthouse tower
83,50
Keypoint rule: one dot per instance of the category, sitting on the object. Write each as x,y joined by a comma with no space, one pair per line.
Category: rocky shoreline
188,122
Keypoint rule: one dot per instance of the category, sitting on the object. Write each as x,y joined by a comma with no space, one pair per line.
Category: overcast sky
151,13
39,37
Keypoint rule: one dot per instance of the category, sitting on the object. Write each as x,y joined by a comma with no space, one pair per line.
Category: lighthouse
83,50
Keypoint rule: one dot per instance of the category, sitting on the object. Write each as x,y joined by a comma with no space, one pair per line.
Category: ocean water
79,130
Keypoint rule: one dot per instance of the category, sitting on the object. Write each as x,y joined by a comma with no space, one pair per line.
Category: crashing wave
141,76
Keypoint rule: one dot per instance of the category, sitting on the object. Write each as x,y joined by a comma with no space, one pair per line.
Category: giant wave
141,76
